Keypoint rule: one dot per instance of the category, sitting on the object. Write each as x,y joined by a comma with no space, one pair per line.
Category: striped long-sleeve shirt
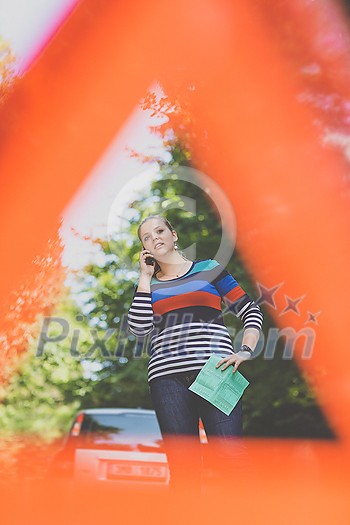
186,320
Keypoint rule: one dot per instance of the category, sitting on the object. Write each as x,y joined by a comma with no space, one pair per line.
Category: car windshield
125,431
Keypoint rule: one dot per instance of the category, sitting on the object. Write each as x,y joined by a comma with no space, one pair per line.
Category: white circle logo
121,213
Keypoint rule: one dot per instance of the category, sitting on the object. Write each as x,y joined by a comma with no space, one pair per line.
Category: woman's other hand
235,360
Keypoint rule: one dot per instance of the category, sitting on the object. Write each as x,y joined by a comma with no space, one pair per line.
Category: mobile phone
150,261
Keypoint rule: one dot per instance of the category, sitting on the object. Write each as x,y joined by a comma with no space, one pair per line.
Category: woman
179,301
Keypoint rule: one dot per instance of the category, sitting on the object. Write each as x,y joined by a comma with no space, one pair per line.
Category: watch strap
246,348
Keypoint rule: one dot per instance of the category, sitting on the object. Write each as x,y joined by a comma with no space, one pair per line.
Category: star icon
312,318
266,295
292,304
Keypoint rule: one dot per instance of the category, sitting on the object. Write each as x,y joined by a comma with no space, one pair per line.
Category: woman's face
157,238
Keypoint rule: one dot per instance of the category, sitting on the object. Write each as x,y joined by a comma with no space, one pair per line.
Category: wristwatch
246,348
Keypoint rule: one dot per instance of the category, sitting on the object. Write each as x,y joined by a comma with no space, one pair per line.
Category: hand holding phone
150,260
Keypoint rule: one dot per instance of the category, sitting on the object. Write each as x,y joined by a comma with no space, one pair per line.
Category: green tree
44,393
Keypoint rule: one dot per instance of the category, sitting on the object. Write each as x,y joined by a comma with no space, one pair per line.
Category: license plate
125,471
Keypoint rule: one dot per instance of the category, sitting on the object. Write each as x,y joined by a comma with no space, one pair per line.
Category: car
113,445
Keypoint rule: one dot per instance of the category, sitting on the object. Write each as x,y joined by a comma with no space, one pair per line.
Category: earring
175,246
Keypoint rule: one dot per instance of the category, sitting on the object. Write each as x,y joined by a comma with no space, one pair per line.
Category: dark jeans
178,411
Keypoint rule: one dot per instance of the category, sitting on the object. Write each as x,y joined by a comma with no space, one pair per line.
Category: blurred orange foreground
286,482
288,193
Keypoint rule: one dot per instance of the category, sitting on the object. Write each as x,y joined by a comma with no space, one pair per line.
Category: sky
27,25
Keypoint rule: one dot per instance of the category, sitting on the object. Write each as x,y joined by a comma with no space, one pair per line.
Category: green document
221,388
